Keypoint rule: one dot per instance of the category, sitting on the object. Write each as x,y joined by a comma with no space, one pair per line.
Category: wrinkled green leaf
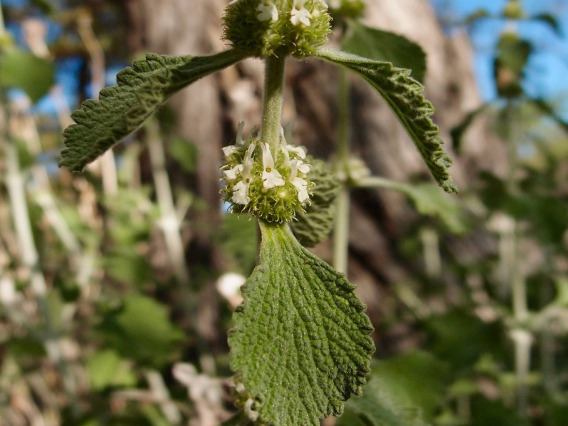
141,330
406,390
405,97
23,70
314,225
386,46
141,89
301,341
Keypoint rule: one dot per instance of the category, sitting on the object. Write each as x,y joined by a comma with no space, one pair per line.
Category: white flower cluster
299,15
291,169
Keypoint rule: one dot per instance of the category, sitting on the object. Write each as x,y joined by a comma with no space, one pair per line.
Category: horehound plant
300,345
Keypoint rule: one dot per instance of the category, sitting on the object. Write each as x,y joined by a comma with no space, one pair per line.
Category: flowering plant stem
273,99
341,230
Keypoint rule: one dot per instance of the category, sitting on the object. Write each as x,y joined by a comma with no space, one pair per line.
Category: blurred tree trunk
209,110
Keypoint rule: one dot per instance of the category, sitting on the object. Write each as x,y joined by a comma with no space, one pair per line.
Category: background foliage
112,312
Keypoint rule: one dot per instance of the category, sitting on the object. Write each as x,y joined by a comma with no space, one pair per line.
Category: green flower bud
277,27
270,185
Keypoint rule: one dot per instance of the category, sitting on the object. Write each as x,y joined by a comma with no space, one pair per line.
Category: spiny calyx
274,27
270,185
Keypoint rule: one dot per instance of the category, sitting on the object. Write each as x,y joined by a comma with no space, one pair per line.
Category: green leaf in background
549,111
405,96
476,16
239,419
301,342
128,267
238,238
403,391
185,152
314,225
45,6
452,334
385,46
429,201
458,131
23,70
142,331
120,110
549,20
487,413
107,368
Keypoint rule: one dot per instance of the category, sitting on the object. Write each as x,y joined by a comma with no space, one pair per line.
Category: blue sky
548,68
546,74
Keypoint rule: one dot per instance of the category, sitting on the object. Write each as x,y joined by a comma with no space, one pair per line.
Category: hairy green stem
272,102
341,230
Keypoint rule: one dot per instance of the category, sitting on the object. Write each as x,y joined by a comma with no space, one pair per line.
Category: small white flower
302,187
232,174
267,11
240,190
299,14
297,150
300,184
229,150
299,166
270,176
240,193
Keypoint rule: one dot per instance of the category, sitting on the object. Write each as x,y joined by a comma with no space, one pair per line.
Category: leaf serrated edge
422,130
141,78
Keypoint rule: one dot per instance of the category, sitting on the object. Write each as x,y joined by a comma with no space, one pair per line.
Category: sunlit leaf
405,96
141,89
386,46
301,343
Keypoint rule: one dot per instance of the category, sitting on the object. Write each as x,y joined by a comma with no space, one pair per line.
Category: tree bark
209,111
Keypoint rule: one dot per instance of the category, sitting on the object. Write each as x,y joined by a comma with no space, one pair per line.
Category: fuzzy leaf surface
405,96
121,109
381,45
314,225
301,343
